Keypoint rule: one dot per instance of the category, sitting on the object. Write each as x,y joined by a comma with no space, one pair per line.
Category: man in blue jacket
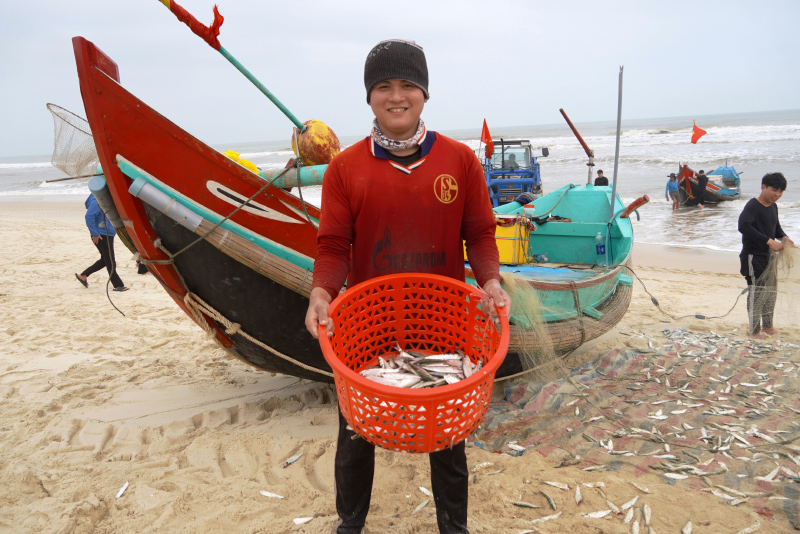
102,233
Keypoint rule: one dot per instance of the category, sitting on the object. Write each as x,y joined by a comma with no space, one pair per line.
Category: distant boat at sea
723,185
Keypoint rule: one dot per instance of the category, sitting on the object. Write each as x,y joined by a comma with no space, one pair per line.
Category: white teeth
396,110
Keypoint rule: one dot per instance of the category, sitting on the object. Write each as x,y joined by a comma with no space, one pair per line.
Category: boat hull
715,192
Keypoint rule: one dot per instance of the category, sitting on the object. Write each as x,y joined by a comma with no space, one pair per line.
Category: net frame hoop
70,118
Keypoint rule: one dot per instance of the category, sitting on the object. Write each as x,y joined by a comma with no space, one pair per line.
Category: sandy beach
94,402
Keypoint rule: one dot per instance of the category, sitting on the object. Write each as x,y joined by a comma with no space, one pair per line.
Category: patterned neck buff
393,145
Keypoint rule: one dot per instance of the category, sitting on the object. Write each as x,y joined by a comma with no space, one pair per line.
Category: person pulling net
767,253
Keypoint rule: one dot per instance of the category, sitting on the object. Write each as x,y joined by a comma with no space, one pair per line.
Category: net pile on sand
73,147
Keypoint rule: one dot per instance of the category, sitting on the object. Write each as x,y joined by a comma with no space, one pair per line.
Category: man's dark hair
600,171
775,180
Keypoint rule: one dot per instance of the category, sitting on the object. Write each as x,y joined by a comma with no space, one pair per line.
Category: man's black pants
763,283
105,245
355,468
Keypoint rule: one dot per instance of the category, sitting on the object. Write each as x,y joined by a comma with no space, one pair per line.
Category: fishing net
772,300
549,324
533,344
73,147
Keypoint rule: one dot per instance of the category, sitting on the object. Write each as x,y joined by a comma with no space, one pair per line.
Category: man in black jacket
762,237
600,180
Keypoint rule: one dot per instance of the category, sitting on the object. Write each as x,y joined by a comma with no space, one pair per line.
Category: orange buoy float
316,145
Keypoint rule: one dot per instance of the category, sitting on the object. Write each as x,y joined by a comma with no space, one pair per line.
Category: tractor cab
511,170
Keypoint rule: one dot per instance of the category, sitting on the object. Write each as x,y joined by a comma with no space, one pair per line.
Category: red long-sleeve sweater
396,219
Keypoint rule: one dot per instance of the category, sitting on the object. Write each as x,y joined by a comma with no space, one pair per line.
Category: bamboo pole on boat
589,151
73,177
209,35
616,164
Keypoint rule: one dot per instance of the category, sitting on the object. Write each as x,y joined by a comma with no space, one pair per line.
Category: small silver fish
525,505
629,504
628,516
482,465
597,515
614,507
270,495
550,500
640,488
421,506
546,518
292,460
752,528
558,485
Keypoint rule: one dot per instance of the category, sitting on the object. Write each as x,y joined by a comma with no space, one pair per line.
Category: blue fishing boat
235,250
723,185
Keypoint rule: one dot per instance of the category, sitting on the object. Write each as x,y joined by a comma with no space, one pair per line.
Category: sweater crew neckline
425,144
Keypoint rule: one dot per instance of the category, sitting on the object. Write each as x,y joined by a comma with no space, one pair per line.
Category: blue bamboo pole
241,68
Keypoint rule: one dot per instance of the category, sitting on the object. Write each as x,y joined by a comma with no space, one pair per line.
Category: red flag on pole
207,33
487,139
697,133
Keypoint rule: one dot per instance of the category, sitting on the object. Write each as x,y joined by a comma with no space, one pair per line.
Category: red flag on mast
487,139
207,33
697,133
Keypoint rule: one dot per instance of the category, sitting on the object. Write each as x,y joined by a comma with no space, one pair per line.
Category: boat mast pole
616,163
589,151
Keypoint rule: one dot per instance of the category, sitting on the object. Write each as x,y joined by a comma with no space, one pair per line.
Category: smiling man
404,199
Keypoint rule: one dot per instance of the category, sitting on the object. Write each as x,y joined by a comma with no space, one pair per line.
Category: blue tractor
511,171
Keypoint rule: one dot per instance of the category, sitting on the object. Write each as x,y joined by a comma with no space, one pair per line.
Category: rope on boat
576,297
300,189
199,309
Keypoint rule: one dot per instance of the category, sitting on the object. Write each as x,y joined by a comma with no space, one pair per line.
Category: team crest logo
446,188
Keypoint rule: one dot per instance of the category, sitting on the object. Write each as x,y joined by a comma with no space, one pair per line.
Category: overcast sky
512,62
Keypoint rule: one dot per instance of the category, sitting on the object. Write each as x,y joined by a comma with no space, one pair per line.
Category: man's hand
96,239
495,295
786,240
775,246
317,314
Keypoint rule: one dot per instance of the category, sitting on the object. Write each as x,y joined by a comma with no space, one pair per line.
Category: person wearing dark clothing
762,236
511,162
404,199
702,183
600,180
102,233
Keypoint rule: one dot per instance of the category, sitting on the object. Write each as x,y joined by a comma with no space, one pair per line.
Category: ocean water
754,143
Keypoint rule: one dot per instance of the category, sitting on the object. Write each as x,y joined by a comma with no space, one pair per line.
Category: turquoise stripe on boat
301,261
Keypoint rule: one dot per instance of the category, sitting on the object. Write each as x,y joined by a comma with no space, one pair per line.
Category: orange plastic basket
423,312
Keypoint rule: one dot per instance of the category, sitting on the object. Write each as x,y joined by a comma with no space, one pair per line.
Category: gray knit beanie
396,59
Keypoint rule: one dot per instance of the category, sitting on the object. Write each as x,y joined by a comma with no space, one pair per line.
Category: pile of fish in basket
412,369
